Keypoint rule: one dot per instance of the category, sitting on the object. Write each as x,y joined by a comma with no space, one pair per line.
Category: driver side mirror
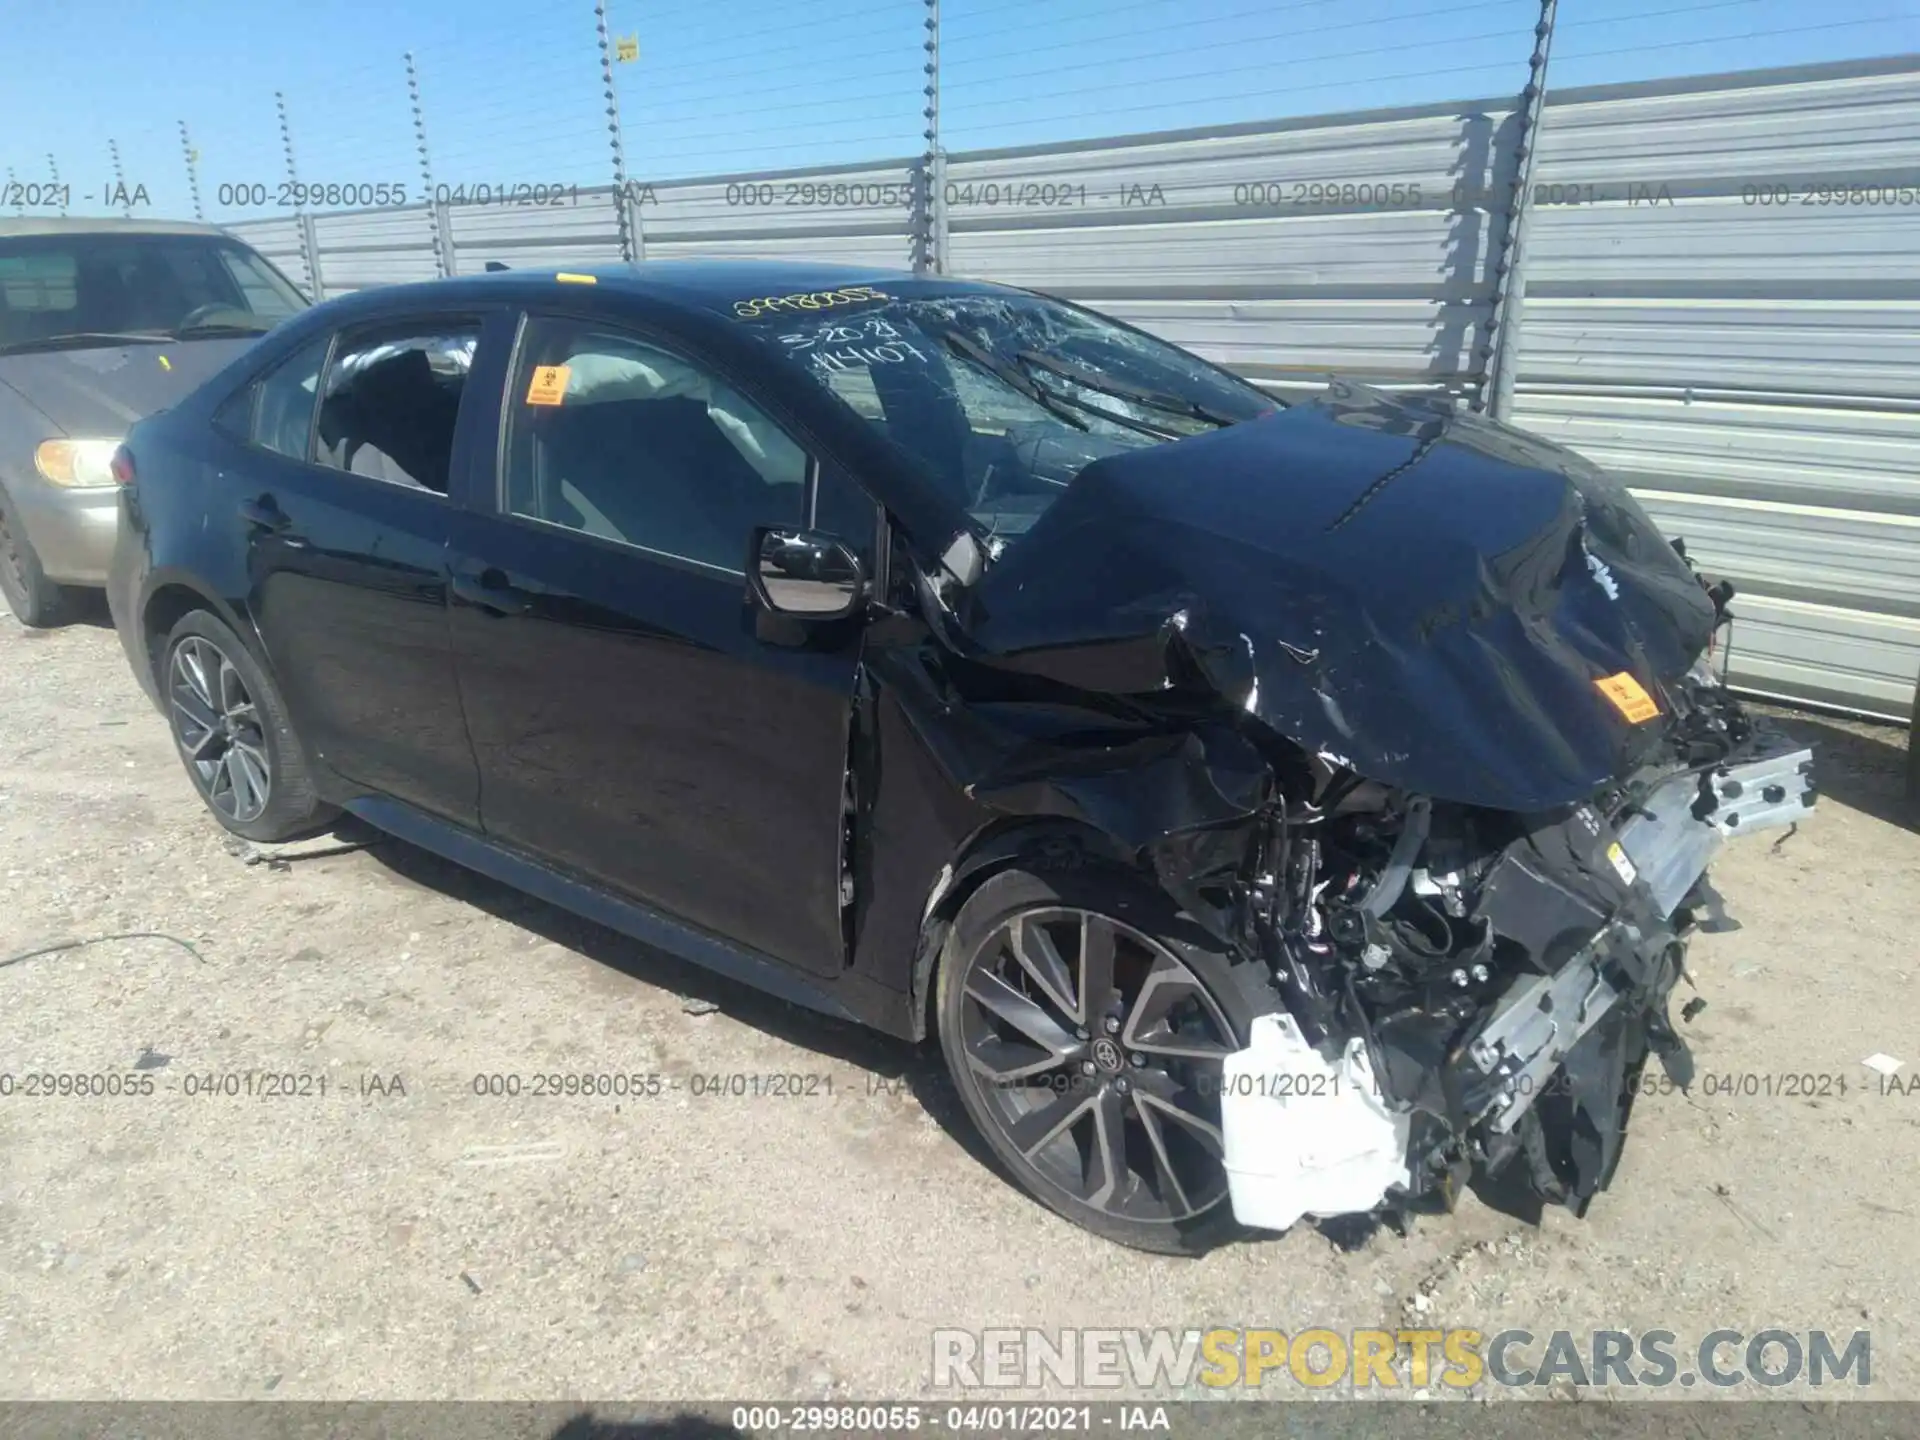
805,574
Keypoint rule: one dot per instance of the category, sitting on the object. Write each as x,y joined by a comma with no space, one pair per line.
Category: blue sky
512,94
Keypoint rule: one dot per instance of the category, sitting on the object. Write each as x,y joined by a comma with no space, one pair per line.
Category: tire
35,600
231,728
1044,1089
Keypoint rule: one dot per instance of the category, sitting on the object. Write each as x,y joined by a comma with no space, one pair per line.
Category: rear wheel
1085,1022
35,600
231,728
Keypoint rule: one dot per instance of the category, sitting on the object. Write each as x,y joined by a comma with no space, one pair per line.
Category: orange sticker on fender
1628,697
549,384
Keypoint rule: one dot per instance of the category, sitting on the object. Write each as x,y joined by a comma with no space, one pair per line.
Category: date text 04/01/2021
881,1419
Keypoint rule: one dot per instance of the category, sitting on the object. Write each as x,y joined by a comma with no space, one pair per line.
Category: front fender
975,770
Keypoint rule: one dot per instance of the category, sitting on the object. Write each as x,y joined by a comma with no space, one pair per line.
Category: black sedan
1271,811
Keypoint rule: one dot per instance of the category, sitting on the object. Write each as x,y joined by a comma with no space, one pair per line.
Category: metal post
1510,260
54,171
309,242
1913,756
119,177
919,225
930,247
193,171
621,206
437,216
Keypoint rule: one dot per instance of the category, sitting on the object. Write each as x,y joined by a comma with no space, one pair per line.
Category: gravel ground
403,1237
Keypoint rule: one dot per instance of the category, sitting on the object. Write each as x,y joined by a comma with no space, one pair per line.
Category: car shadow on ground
889,1063
1861,764
919,1068
83,608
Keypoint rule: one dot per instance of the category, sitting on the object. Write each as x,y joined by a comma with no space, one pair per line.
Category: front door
627,721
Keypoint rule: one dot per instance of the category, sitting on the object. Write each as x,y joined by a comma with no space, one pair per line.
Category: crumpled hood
102,390
1425,597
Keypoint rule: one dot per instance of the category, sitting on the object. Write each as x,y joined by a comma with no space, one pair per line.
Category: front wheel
1085,1022
36,601
231,729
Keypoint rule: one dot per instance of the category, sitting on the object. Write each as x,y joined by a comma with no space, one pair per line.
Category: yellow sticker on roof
1628,697
549,385
567,277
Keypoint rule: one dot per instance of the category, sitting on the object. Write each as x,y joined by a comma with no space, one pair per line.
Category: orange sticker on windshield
1628,697
548,386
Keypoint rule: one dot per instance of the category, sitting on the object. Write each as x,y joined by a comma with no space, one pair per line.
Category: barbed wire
1750,35
711,96
1292,33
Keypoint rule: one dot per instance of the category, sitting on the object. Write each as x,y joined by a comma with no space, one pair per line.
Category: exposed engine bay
1506,976
1418,711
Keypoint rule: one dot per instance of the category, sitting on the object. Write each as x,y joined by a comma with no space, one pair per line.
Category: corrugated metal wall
1723,308
374,247
1751,369
847,216
585,231
1355,244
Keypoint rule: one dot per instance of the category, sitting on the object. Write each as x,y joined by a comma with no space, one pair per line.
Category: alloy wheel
1099,1052
219,730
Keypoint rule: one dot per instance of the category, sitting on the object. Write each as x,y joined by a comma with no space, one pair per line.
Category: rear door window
391,402
283,413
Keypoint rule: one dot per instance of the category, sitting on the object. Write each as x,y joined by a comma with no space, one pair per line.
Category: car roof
701,285
102,225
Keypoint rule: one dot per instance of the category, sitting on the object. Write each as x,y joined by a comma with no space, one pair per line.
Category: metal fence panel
583,231
1831,655
853,216
1797,348
1723,307
374,247
1351,243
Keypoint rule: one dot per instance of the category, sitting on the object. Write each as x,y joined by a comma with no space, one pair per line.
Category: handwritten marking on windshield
869,356
841,333
810,300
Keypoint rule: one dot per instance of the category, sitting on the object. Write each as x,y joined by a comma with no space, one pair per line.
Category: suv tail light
121,466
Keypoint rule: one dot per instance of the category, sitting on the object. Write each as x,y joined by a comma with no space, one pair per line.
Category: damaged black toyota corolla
1272,811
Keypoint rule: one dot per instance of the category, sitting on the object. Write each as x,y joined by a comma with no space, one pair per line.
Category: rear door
346,507
628,721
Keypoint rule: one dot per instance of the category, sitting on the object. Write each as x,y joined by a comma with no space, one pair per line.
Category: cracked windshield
1005,400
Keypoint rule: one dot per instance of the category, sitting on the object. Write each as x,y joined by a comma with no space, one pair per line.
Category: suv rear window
55,286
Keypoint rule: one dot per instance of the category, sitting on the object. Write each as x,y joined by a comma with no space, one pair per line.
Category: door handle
265,514
489,590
